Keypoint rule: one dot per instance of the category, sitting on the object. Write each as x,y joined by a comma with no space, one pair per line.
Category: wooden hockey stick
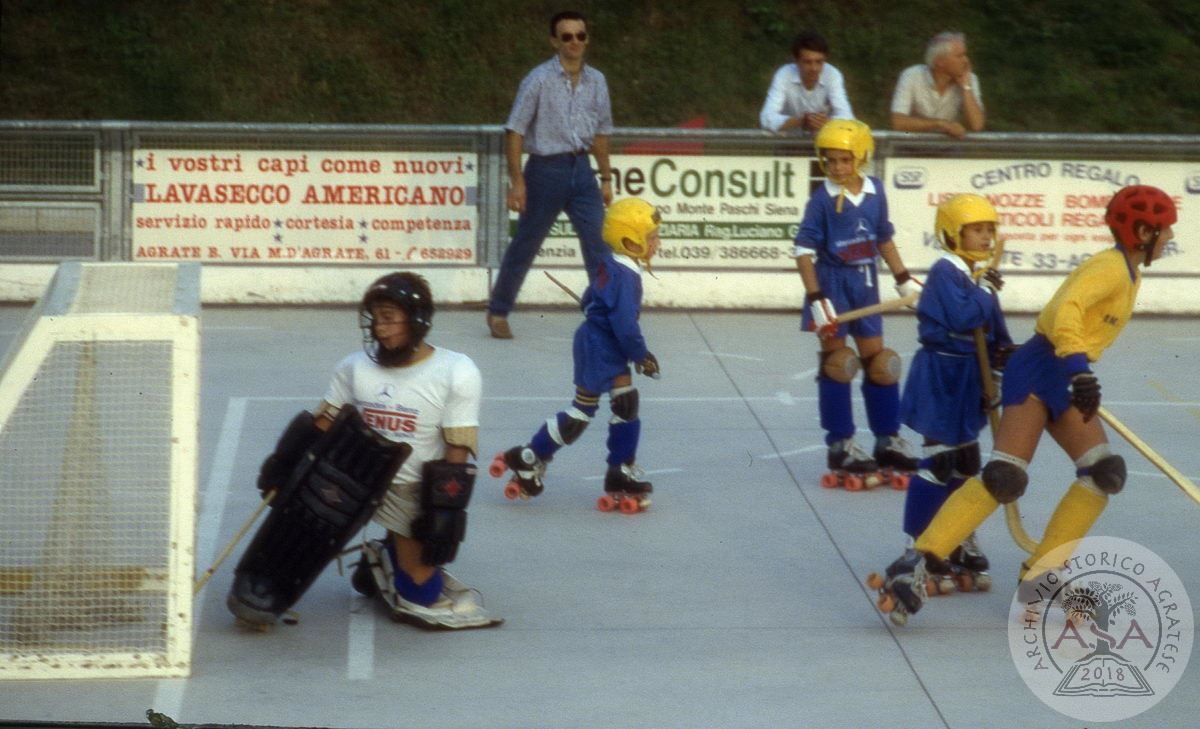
208,573
564,287
1183,482
1012,512
881,308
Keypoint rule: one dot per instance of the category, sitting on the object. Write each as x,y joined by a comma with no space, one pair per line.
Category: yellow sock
1074,516
962,513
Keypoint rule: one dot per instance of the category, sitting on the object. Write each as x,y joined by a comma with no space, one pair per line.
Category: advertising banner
304,207
1051,212
718,211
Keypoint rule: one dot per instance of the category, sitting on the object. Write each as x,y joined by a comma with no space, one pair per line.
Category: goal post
99,402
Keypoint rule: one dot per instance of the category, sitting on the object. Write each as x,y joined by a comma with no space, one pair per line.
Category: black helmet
411,293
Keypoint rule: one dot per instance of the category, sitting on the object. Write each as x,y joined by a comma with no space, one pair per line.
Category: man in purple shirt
561,114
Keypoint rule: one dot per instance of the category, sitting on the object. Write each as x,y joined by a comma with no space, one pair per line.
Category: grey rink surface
736,600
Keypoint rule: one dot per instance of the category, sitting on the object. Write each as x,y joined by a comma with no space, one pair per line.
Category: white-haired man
942,94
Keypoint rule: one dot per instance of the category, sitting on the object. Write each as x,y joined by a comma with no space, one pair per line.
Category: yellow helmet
958,211
850,135
630,219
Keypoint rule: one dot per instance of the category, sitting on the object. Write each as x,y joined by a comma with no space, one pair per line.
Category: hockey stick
564,287
1012,512
1183,482
204,578
884,307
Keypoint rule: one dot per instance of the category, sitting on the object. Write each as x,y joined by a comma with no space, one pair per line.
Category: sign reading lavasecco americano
278,206
1051,212
718,212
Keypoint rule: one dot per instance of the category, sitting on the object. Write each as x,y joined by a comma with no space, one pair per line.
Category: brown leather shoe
499,326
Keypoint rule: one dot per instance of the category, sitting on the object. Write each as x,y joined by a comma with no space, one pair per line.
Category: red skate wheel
854,483
606,503
629,505
886,603
829,481
900,481
498,467
512,490
875,581
965,582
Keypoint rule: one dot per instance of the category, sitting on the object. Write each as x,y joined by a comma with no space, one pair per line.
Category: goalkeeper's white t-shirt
410,405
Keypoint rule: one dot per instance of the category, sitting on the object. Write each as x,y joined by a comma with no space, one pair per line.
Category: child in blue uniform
845,226
943,395
607,341
1049,387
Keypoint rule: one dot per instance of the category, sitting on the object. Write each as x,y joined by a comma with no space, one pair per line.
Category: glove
998,355
906,284
1085,394
824,316
992,281
648,366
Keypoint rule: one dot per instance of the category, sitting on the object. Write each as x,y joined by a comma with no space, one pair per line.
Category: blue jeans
552,184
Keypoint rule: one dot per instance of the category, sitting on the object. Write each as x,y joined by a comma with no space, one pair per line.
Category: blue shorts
943,397
598,359
848,288
1035,370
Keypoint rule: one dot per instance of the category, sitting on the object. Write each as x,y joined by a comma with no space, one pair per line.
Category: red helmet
1138,204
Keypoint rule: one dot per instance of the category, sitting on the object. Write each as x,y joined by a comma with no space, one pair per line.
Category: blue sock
883,407
833,401
424,594
921,503
623,441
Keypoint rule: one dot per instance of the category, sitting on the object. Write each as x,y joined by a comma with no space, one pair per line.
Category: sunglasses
581,36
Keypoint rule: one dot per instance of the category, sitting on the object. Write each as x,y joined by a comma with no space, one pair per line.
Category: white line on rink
796,452
168,693
646,473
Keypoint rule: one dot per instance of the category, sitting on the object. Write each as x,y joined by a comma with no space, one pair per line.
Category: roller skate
970,566
850,467
903,588
527,469
623,491
896,465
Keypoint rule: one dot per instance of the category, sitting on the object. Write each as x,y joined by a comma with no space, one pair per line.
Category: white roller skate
850,467
894,456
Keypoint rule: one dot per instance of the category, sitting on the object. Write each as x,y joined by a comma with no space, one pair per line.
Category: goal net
98,440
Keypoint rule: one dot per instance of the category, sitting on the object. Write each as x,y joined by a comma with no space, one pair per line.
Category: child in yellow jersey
1049,387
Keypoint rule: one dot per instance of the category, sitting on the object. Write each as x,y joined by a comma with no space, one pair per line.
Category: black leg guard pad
625,405
445,491
301,433
1109,474
1004,481
329,497
968,461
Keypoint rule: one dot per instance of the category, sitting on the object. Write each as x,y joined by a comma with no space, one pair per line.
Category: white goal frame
65,314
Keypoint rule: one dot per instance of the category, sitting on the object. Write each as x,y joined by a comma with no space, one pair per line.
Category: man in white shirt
942,94
805,94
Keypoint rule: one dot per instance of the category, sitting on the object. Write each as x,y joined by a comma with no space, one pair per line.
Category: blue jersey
943,394
851,237
610,336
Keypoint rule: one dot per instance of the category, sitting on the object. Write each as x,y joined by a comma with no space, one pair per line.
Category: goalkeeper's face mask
389,328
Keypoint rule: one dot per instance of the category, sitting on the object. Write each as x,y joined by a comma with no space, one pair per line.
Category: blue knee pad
883,407
833,400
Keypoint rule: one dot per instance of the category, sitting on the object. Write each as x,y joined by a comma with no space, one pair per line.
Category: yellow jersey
1092,305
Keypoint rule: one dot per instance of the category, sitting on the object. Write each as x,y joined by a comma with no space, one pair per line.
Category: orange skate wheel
829,481
875,581
900,481
886,603
498,467
630,505
965,582
512,490
606,503
854,483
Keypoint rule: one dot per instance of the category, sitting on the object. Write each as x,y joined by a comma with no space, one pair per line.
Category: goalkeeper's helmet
411,294
630,221
958,211
850,135
1139,204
